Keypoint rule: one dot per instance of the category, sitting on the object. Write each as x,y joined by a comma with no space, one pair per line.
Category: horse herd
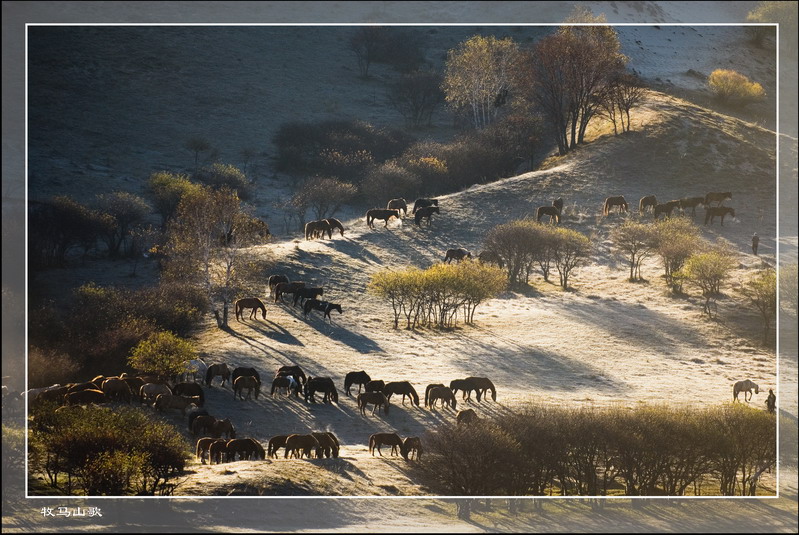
650,203
279,286
423,209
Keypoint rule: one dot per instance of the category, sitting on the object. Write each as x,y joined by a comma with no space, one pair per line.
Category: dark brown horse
288,382
307,293
377,399
321,384
692,203
424,213
718,211
222,427
322,306
317,229
375,385
424,203
274,444
328,444
190,389
274,280
467,417
355,378
456,254
482,385
610,202
246,382
717,197
443,393
378,440
287,288
214,370
490,257
666,208
253,303
300,445
409,446
294,371
377,213
427,392
401,387
551,211
335,224
398,204
646,202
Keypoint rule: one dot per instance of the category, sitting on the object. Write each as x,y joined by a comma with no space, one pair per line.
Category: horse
302,444
216,450
116,388
490,257
171,401
287,288
222,427
323,306
424,203
378,440
771,401
55,395
190,389
456,254
375,385
328,445
746,386
88,385
246,448
443,393
335,224
149,391
193,368
204,445
692,203
401,387
274,444
321,384
195,413
376,213
202,424
427,392
425,213
410,445
462,384
610,202
83,397
134,383
307,293
718,211
355,378
250,383
482,385
377,399
551,211
666,208
315,229
717,197
466,417
214,370
288,382
646,202
294,371
558,203
274,280
242,371
250,302
398,204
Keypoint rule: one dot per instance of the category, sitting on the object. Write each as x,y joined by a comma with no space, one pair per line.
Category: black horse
307,293
321,384
323,306
355,378
424,203
425,213
401,387
718,211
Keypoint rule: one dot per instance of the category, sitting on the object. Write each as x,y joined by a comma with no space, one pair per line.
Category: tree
514,242
785,13
365,43
162,353
478,76
708,270
635,241
325,195
218,175
788,288
621,94
127,211
197,145
569,250
733,87
166,190
676,238
416,96
761,291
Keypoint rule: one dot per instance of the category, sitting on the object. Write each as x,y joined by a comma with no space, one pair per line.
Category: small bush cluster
101,451
220,176
733,87
436,296
646,451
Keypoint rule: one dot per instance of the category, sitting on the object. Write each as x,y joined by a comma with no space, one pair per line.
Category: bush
49,366
676,239
390,181
220,175
166,190
162,353
733,87
708,270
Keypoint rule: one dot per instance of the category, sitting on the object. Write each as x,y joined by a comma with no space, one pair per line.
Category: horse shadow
337,332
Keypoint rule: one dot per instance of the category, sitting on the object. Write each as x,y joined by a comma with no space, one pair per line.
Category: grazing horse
190,389
462,384
323,306
204,445
746,386
410,445
222,427
242,371
466,417
398,204
321,384
666,208
335,224
378,440
446,396
171,401
490,257
401,387
427,392
328,445
274,280
116,388
294,371
314,229
250,302
482,385
456,254
246,382
551,211
377,213
692,203
425,213
288,382
375,385
718,211
307,293
195,413
82,397
287,288
301,445
220,369
274,444
646,202
610,202
355,378
202,424
377,399
771,401
717,197
558,203
149,391
216,451
193,368
424,203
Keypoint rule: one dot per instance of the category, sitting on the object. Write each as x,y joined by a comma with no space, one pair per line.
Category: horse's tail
208,376
606,207
538,214
372,443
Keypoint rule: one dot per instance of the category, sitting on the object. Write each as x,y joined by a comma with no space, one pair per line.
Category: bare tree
365,43
416,96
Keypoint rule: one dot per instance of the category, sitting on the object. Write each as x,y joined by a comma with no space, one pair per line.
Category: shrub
708,270
220,175
761,291
166,190
50,366
125,211
569,249
635,241
390,181
162,353
733,87
676,240
325,195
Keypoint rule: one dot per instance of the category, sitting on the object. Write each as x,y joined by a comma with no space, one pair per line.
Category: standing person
755,242
771,401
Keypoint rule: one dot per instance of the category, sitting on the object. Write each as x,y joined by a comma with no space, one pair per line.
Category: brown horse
427,392
315,229
718,211
171,401
425,213
288,382
355,378
274,280
328,445
377,399
253,303
456,254
610,202
202,424
115,388
424,203
84,397
323,306
376,213
217,370
401,387
446,396
717,197
204,445
294,371
410,445
551,211
466,417
248,382
321,384
287,288
482,385
190,389
245,448
149,391
300,445
335,224
378,440
490,257
692,203
216,451
375,385
307,293
222,427
398,204
646,202
274,444
666,208
462,384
